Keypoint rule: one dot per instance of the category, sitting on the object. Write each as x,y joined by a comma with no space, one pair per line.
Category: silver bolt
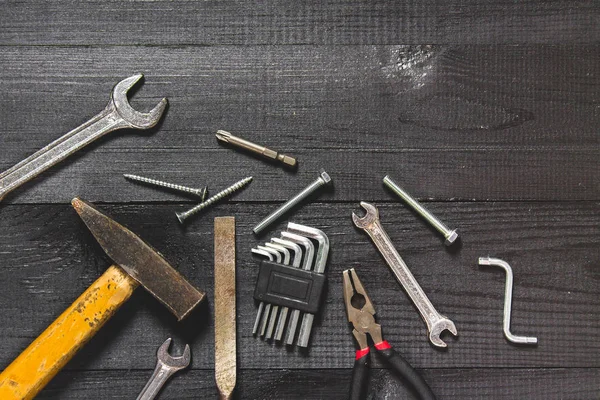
155,182
322,180
182,216
450,235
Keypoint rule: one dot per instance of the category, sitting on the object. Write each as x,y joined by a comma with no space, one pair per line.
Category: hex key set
282,287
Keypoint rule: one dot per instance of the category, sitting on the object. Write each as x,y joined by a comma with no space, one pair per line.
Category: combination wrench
117,114
166,366
436,322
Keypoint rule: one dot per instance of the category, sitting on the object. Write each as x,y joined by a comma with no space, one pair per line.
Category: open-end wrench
166,366
117,114
436,323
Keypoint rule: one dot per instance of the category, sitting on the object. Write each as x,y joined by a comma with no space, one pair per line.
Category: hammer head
141,261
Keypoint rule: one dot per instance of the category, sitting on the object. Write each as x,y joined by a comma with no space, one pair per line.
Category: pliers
361,314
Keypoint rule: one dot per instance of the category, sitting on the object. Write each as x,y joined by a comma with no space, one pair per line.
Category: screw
322,180
450,235
183,189
182,216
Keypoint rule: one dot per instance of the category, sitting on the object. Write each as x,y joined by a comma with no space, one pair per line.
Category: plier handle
361,314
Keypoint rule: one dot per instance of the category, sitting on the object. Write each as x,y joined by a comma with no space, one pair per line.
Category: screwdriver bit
227,137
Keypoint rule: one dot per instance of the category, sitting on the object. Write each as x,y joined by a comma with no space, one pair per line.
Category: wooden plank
315,22
553,248
489,383
467,122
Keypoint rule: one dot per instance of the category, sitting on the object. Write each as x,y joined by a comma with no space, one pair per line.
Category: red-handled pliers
361,314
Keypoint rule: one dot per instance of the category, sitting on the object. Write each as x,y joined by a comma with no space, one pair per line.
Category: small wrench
117,114
166,366
436,323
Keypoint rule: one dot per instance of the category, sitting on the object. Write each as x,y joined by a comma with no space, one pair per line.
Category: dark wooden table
488,111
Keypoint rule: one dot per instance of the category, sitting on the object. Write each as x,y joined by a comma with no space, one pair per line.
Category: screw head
451,238
181,216
325,176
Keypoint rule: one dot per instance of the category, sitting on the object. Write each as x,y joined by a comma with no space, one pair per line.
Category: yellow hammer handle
52,350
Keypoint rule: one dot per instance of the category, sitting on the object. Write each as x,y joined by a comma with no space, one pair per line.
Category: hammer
135,263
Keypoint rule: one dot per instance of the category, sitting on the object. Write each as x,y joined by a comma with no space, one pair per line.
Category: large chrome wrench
436,322
117,114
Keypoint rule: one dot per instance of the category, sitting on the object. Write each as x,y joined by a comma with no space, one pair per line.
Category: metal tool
296,264
285,288
323,180
275,309
361,314
449,234
263,151
307,264
436,322
265,315
135,263
166,366
261,305
178,188
118,114
320,263
225,307
182,216
507,301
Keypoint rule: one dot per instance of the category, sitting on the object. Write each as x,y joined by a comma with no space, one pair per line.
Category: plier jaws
361,314
360,310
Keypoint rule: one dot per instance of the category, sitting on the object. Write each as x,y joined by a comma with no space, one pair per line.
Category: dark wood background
488,111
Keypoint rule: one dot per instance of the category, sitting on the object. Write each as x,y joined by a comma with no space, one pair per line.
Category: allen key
508,301
320,263
275,309
261,305
306,265
265,315
296,264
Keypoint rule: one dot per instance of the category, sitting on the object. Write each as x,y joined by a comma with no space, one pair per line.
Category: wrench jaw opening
369,218
437,329
175,363
135,119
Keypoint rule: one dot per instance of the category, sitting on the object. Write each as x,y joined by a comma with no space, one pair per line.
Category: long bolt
179,188
322,180
449,234
182,216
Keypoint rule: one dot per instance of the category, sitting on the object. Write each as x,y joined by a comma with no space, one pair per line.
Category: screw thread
223,193
155,182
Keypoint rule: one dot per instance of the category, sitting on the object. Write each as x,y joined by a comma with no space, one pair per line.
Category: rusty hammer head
140,261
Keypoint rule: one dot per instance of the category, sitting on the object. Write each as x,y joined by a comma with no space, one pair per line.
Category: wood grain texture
290,22
459,122
552,247
487,110
332,384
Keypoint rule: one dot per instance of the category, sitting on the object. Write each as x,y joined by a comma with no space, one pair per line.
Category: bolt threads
182,216
449,234
322,180
155,182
